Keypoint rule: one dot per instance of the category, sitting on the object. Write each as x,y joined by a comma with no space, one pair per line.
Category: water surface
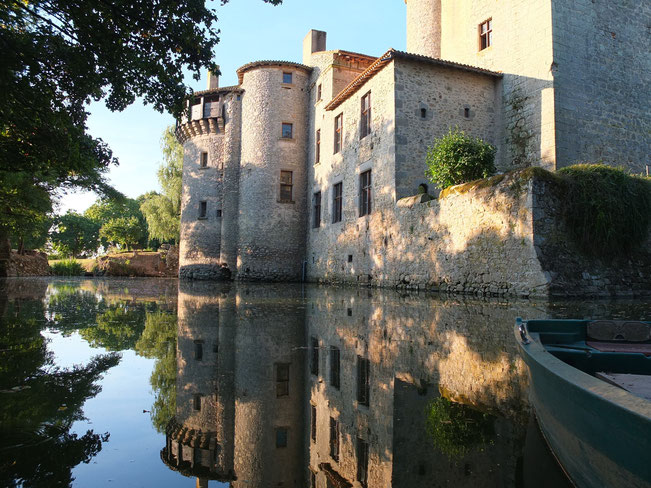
150,382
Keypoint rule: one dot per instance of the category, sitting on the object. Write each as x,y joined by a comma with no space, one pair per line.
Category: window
286,186
334,367
423,113
365,128
365,193
282,379
314,360
317,210
204,160
198,350
339,123
196,401
287,130
281,436
337,202
313,423
362,461
287,78
317,149
485,34
318,92
203,209
363,380
334,439
219,213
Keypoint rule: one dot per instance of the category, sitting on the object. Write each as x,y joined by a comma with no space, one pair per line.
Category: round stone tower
210,135
272,178
424,27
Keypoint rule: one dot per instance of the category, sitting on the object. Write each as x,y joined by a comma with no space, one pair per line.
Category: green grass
67,267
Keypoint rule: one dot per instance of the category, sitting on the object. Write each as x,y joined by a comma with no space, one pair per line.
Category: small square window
287,78
203,209
288,130
204,160
281,437
485,34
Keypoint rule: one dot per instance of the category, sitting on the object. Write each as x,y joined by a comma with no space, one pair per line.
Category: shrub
68,267
608,210
458,158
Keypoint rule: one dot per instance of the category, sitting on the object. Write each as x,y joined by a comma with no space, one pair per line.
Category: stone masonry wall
522,50
444,93
472,240
271,236
602,76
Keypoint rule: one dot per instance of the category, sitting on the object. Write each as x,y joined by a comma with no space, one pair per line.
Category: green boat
591,391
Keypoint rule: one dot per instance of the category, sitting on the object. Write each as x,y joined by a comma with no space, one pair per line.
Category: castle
299,171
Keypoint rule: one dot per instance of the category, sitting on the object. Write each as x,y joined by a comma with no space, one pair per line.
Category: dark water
147,382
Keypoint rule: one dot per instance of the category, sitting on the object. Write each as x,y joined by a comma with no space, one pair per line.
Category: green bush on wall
458,158
607,210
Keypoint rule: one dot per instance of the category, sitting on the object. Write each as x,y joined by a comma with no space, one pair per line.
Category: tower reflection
327,387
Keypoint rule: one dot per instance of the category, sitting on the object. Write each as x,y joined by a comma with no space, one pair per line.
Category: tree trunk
5,253
21,246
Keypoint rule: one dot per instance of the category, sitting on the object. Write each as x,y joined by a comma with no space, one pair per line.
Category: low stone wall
500,236
31,263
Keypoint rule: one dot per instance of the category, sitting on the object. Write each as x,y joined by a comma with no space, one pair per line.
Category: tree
75,234
458,158
124,231
57,56
163,211
111,213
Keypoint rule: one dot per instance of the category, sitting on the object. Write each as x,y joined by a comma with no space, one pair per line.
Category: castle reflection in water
325,387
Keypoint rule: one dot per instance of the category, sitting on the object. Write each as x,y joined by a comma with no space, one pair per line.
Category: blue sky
250,30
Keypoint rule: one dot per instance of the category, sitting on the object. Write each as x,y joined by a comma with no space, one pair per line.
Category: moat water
148,382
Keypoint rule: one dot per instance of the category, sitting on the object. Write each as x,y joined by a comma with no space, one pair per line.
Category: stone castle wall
271,233
445,94
201,237
602,74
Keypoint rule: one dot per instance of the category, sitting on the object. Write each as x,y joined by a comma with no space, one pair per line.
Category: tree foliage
607,210
75,235
163,211
458,158
121,222
59,55
124,231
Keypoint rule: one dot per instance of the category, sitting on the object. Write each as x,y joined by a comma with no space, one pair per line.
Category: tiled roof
386,58
221,89
257,64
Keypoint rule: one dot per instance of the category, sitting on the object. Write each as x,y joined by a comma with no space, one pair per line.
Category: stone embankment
31,263
139,263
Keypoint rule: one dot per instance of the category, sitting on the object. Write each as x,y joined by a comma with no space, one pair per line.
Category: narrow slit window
334,439
365,193
313,423
196,401
282,379
318,92
314,360
363,380
203,209
337,202
466,112
485,34
365,128
423,113
362,461
198,350
204,160
339,131
335,379
317,149
286,186
317,210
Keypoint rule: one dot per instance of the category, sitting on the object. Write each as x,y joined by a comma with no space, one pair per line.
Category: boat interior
615,351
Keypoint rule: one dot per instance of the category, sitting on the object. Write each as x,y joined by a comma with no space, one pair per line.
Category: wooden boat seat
638,384
642,348
618,331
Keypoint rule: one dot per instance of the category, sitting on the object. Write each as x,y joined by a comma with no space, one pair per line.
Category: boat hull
600,434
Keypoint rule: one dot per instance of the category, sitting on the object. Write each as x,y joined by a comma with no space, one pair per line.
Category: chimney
314,42
213,79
